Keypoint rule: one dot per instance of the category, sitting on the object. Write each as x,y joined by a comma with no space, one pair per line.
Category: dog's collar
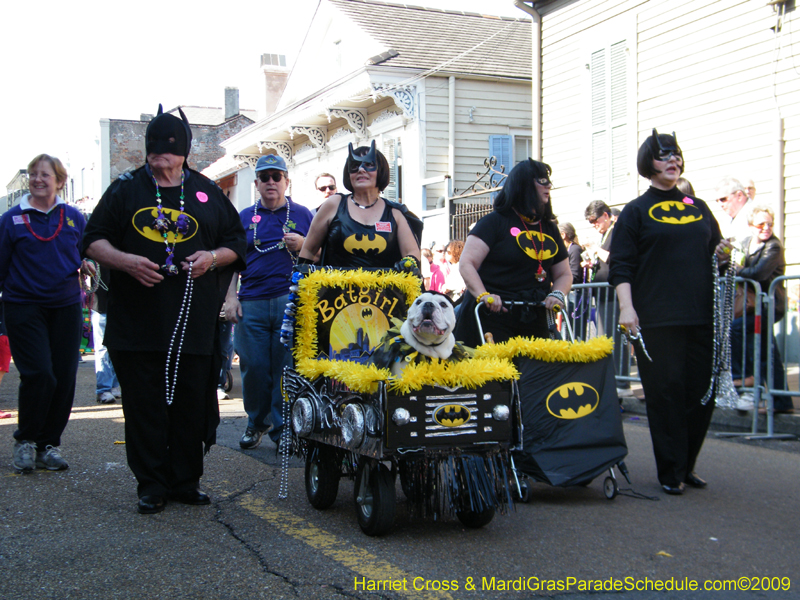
432,345
398,338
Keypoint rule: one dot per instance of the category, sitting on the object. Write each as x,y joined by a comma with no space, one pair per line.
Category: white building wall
704,69
497,108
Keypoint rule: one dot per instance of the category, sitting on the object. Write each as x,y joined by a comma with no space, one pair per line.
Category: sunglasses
724,199
369,167
265,176
763,226
330,188
665,155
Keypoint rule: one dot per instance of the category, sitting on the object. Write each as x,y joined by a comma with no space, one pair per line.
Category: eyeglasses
543,181
367,166
330,188
665,155
763,226
265,176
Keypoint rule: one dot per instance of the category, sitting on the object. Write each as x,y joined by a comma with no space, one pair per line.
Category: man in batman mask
171,238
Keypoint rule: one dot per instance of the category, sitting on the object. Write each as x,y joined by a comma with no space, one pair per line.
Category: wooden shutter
610,122
500,148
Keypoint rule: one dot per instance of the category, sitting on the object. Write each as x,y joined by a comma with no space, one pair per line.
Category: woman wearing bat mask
660,260
515,253
362,229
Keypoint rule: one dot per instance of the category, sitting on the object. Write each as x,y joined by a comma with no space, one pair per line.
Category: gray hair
728,186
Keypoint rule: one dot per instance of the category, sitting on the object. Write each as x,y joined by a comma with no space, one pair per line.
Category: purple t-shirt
268,272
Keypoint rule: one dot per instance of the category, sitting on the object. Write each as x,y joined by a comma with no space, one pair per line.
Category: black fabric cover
569,451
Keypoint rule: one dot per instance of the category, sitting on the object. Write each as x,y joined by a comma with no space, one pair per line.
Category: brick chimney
231,102
275,75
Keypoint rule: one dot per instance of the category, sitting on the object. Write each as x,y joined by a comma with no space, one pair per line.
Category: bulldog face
430,323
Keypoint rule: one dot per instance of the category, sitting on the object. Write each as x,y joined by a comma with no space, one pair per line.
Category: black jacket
763,265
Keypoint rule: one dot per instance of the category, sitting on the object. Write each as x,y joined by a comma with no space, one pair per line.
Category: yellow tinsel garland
549,350
471,373
492,362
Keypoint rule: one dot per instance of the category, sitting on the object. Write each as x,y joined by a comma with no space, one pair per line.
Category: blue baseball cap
271,161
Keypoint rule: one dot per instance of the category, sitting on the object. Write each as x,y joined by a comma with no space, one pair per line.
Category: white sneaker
116,392
24,456
106,398
51,459
222,394
745,402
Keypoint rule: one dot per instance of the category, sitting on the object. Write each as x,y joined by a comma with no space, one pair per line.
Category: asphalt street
76,534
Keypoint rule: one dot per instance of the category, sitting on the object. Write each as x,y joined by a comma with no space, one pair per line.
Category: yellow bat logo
451,415
365,243
572,400
143,222
546,246
675,213
366,313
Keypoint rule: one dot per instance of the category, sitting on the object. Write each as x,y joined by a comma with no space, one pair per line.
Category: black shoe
150,505
251,439
193,497
674,490
694,481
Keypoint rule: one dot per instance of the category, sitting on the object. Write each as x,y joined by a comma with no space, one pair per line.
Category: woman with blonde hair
40,256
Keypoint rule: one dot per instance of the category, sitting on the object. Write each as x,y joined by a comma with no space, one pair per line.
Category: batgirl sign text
352,320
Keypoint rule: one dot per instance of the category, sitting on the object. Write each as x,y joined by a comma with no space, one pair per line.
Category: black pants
673,385
164,443
45,344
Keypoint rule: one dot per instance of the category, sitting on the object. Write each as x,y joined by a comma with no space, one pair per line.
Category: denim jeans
742,366
262,357
226,344
104,370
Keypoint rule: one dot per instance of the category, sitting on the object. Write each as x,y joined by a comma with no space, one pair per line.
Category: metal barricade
771,391
593,310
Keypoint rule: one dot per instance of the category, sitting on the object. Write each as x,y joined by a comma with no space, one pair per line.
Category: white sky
66,65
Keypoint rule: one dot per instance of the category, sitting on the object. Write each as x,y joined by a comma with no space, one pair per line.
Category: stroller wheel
610,488
228,385
525,489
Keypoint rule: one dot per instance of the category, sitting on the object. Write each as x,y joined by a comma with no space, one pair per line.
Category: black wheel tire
322,478
375,498
527,492
476,520
610,488
228,385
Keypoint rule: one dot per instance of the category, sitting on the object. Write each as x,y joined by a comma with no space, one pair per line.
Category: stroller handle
521,303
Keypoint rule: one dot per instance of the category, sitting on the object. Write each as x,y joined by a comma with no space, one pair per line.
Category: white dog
427,330
429,325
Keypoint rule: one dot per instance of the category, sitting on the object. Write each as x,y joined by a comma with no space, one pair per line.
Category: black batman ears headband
658,141
368,157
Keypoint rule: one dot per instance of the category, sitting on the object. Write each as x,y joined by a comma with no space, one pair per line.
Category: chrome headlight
303,417
353,426
401,416
501,412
